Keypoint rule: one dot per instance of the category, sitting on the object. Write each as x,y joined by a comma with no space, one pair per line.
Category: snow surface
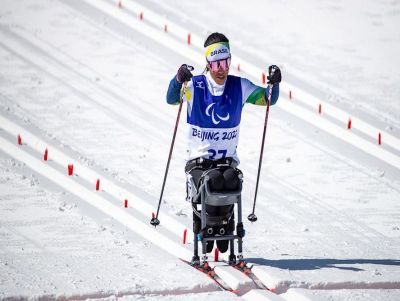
93,88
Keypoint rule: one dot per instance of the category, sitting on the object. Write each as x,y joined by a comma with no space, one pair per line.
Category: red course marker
126,204
238,68
165,28
216,254
120,4
70,169
46,153
184,236
189,39
349,124
320,109
98,185
19,140
379,138
263,78
290,94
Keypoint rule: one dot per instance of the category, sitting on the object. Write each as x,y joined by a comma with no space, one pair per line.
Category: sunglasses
223,64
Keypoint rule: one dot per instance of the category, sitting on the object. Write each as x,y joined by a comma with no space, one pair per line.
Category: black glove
274,75
184,74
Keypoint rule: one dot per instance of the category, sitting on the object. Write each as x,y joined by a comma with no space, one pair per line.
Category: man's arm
258,95
174,92
175,85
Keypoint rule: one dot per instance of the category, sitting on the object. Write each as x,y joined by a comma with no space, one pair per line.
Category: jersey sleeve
176,90
257,95
173,93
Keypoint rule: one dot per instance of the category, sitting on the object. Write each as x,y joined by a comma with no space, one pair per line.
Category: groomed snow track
126,15
168,238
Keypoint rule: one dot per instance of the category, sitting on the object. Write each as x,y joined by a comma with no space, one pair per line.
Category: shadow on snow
315,264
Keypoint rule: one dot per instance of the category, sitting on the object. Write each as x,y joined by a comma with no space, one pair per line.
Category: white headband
217,51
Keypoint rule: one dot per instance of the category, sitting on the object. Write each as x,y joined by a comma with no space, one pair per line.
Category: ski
246,270
207,270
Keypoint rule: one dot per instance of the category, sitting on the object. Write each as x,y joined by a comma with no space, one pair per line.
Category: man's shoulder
199,77
237,79
199,82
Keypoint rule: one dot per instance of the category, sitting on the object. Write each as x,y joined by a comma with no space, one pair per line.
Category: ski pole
252,217
155,221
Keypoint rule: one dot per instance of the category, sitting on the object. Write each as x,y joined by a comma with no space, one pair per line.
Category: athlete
214,108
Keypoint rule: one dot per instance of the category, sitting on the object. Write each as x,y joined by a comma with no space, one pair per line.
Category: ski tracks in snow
114,103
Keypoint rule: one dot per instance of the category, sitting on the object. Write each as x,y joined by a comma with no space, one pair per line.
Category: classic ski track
117,117
69,69
292,188
332,211
120,116
358,232
306,98
302,112
293,284
91,197
317,200
310,199
176,30
107,85
351,228
96,87
355,232
113,108
89,174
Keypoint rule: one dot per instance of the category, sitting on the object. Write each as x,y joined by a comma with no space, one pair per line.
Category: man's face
219,70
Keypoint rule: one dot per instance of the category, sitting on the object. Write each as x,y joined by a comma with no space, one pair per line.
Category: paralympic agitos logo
215,117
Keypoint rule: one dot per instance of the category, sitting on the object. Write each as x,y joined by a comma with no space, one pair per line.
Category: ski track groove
319,203
157,21
81,191
59,56
88,174
70,67
97,87
355,231
86,94
309,285
102,204
314,201
117,117
111,109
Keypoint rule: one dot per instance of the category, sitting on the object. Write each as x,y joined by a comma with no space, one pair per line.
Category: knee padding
216,180
231,179
196,174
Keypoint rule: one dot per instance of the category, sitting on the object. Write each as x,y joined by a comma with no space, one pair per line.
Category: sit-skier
214,108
